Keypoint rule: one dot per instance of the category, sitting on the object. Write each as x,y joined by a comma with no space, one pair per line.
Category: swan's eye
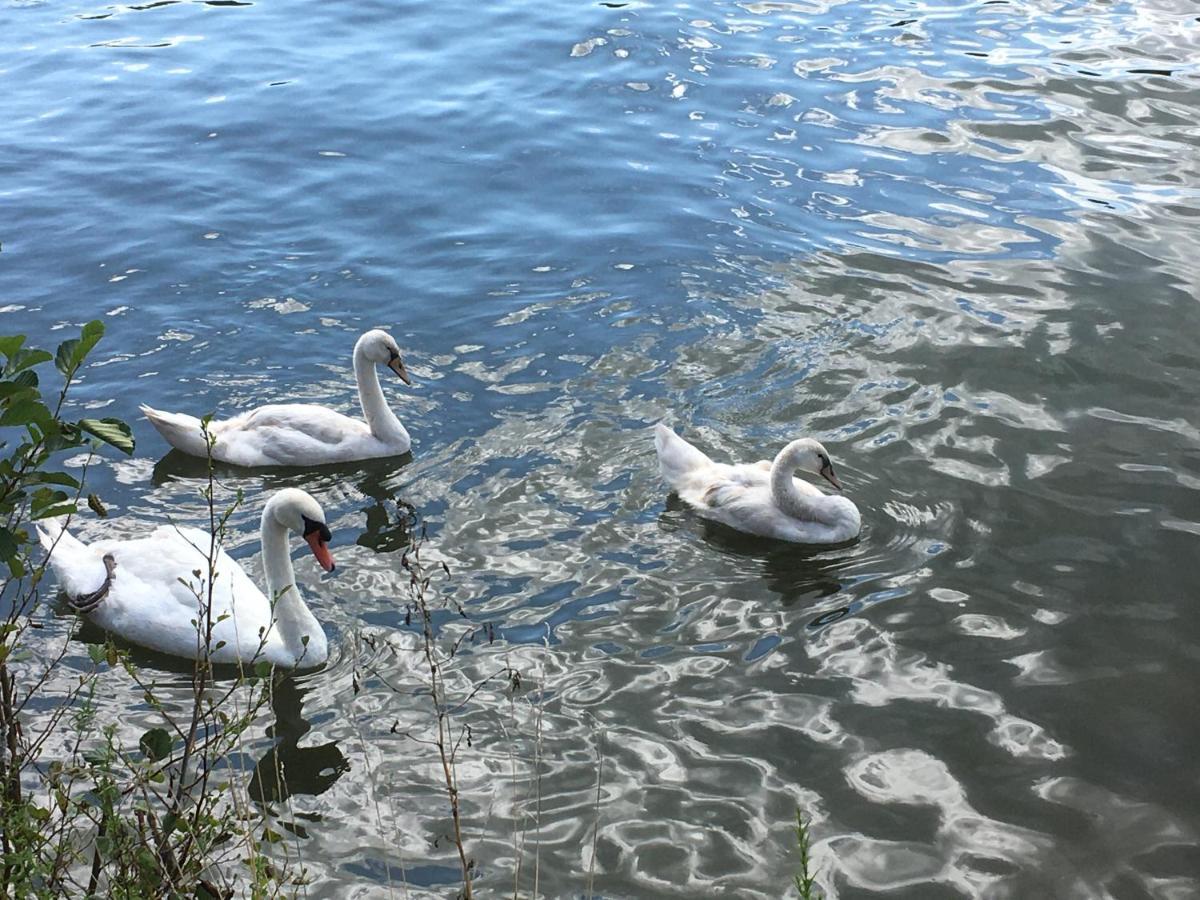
393,355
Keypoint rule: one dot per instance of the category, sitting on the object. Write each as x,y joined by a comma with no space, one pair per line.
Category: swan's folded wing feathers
287,434
723,493
315,423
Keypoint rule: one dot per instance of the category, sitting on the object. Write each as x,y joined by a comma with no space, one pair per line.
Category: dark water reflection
956,244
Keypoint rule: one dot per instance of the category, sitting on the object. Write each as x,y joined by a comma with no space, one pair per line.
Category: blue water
955,242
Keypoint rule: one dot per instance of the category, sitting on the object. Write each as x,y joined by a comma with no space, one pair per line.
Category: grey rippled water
955,242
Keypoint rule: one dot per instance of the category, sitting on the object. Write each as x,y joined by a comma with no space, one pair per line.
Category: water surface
954,242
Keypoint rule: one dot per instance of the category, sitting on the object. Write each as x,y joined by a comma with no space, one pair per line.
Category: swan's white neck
293,620
380,418
816,507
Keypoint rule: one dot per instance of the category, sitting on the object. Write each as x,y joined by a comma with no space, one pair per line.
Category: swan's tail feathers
76,567
53,535
677,459
181,431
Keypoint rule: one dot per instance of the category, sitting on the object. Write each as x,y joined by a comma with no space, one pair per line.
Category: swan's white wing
148,603
740,497
292,433
678,461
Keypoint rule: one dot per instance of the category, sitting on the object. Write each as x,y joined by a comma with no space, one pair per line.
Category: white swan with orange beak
145,589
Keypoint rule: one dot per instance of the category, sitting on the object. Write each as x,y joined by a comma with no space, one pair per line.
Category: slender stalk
596,815
805,880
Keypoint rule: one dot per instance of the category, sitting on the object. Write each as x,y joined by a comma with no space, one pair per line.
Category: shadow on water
388,518
286,768
797,573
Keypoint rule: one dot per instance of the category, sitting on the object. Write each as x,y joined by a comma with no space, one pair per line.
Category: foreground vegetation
88,808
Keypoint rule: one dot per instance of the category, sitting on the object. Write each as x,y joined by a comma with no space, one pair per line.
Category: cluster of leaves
28,489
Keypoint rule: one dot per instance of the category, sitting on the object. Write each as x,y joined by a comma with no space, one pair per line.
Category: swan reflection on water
286,769
389,518
797,574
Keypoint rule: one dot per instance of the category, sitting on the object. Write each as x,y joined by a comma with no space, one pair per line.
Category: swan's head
297,511
810,456
380,347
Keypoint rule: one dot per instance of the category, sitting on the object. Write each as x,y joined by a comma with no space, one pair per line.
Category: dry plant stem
200,672
537,761
518,848
436,692
596,815
371,774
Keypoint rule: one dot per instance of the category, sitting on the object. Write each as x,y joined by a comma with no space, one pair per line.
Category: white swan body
760,498
303,434
140,596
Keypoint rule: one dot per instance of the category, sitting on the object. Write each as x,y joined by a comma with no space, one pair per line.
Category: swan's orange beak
320,550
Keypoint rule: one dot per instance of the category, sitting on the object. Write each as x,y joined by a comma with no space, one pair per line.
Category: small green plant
805,880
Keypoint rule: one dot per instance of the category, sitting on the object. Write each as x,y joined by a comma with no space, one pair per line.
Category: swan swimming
303,434
760,498
137,588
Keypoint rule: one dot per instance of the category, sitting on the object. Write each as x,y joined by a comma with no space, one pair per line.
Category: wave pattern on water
955,243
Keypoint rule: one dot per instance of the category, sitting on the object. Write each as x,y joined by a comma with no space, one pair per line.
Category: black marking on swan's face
396,364
311,525
826,470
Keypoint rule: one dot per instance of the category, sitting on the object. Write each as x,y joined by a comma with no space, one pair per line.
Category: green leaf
10,344
24,359
26,411
96,653
62,509
52,478
262,668
113,432
27,379
11,391
156,744
8,544
71,353
43,498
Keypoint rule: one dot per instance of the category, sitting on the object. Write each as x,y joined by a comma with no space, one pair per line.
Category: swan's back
146,603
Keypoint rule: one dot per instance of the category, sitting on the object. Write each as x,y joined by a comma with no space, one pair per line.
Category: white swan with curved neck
761,498
132,588
303,434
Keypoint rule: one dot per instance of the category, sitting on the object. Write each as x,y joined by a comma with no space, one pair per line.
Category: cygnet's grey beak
827,474
396,364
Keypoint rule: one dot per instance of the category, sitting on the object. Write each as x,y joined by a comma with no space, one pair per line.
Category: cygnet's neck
293,620
807,507
380,418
